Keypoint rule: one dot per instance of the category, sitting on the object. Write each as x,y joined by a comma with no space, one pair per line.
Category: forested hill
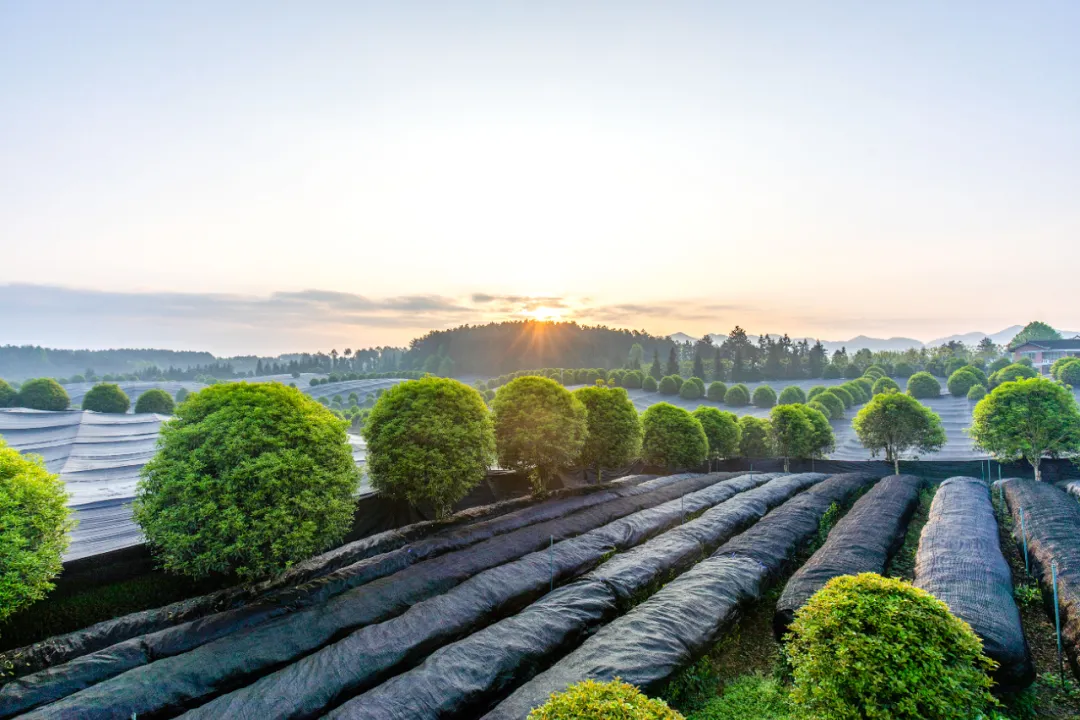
23,361
503,347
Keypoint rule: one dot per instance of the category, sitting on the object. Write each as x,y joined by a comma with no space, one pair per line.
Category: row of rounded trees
48,394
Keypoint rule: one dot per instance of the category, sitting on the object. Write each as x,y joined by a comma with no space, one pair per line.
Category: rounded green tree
903,369
895,423
34,522
1070,373
823,409
754,437
793,434
669,385
633,380
43,394
614,428
961,381
1016,371
845,396
691,390
648,384
791,395
764,397
540,428
248,479
864,641
855,390
721,430
815,391
716,391
8,396
737,396
429,440
923,385
1030,419
673,438
885,385
976,393
592,700
833,372
155,401
106,398
830,400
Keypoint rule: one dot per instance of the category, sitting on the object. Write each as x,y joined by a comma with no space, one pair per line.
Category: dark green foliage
649,384
737,396
722,431
1070,373
858,395
815,391
791,395
8,396
832,372
1001,362
592,700
823,409
953,364
923,385
845,397
1034,330
865,641
867,385
673,438
852,371
876,370
540,428
749,697
633,380
692,389
936,368
669,385
106,398
885,385
614,428
976,393
43,394
248,479
830,400
754,437
895,423
1008,373
793,433
764,396
34,522
961,381
429,440
903,369
716,391
155,401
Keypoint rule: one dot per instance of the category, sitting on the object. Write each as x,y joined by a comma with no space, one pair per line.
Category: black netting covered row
1052,525
177,668
465,678
316,681
649,644
451,533
863,541
960,562
1053,470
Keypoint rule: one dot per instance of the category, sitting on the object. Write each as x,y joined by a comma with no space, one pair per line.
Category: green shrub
844,395
764,396
613,436
1012,372
633,380
867,646
858,395
883,385
852,371
754,437
998,364
540,428
34,522
106,398
953,364
737,396
716,391
155,401
721,430
429,440
832,372
830,400
182,395
867,385
648,384
876,370
692,390
823,409
903,369
923,385
748,697
248,479
961,381
791,395
1070,373
976,393
678,382
673,438
669,385
592,700
815,391
8,396
793,433
43,394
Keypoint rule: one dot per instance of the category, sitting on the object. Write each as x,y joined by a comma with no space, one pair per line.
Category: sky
266,177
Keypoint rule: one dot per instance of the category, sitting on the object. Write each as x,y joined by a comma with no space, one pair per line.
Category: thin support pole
1057,623
551,563
1023,534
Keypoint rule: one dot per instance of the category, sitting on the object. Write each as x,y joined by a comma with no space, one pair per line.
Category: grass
902,565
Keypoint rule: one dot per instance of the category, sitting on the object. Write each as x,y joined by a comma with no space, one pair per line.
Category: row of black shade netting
1053,469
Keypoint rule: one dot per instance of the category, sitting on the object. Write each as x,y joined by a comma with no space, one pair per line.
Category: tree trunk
599,474
787,464
1038,471
896,466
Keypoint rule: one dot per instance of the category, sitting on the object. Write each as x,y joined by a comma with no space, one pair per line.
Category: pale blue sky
828,169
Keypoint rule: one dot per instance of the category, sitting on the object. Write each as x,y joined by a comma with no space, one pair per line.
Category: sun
545,313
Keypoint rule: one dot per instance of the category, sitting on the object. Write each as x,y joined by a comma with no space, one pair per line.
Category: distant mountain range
894,343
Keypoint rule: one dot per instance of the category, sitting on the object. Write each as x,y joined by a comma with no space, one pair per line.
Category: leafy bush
721,430
716,391
8,396
429,440
895,423
737,396
754,437
248,478
852,371
832,372
182,395
923,385
999,363
830,400
34,522
592,700
961,381
976,393
791,395
669,385
953,364
855,390
648,384
43,394
867,385
793,433
106,398
692,390
764,396
540,428
978,372
903,369
868,646
613,437
678,381
823,409
844,395
1008,373
875,370
749,697
155,400
815,391
633,379
673,438
885,385
1070,373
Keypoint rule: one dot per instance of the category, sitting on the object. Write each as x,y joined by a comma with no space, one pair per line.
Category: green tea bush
43,394
692,390
673,438
764,396
923,385
815,391
182,395
852,371
754,437
106,398
749,697
875,370
34,522
8,396
1001,362
791,395
716,391
832,372
865,646
648,384
737,396
961,381
885,385
867,385
632,380
592,700
823,409
668,385
903,369
155,400
844,395
1005,374
830,400
721,430
1070,373
953,364
858,395
976,393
